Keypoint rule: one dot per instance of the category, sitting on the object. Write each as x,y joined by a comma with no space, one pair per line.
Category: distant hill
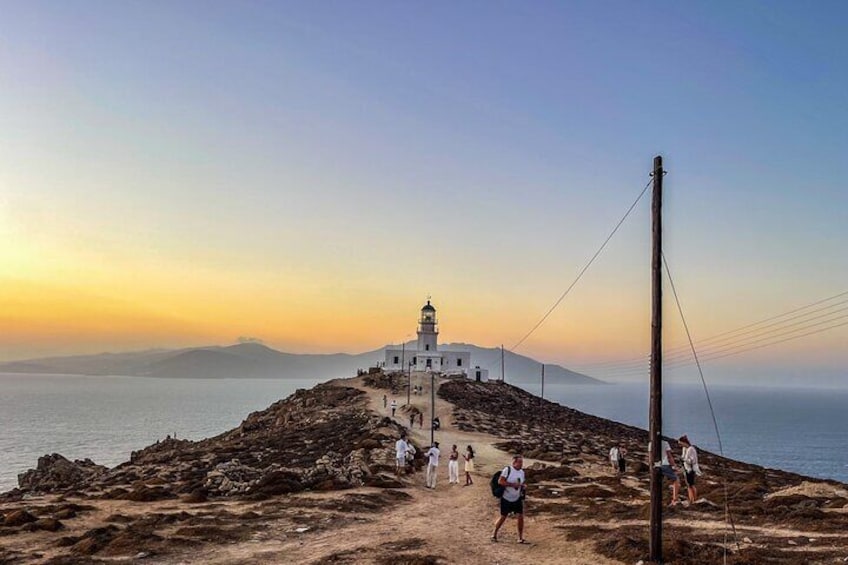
254,360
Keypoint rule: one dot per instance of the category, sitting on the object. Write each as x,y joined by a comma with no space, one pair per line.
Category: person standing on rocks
384,402
401,449
690,467
469,465
453,466
512,501
432,464
394,407
668,468
613,457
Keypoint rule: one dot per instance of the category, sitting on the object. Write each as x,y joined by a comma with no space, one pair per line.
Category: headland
311,480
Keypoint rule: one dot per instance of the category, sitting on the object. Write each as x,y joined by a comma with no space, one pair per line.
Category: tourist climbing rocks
668,468
512,500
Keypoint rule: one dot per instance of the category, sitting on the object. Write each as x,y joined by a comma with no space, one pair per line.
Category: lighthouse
425,355
428,357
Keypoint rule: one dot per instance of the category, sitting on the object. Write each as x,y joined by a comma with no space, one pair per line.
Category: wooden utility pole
503,371
402,367
655,429
432,408
543,381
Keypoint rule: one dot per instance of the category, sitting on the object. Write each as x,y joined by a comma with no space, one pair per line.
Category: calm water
794,429
105,418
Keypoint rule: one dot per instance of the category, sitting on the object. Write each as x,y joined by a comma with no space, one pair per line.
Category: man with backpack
510,488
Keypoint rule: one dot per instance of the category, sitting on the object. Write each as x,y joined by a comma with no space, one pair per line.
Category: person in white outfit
453,466
432,464
401,450
690,467
614,454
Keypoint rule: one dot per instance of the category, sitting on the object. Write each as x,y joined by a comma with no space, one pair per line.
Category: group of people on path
669,469
405,452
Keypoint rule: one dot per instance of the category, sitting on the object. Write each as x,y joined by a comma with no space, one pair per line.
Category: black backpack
494,483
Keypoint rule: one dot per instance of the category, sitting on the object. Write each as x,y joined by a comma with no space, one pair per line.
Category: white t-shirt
614,455
401,448
433,453
690,459
512,475
665,448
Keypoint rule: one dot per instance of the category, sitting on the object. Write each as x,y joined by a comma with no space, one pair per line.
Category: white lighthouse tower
428,357
425,356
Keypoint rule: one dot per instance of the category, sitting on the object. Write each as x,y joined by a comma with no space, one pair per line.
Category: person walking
622,459
614,454
690,467
384,402
453,466
512,501
432,464
401,449
469,465
394,407
411,419
421,420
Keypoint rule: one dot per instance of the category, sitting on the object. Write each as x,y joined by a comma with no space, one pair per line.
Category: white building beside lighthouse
425,355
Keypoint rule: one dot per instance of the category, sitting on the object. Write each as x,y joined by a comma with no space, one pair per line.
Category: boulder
55,472
18,518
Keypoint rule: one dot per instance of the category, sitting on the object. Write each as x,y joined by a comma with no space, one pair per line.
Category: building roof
428,307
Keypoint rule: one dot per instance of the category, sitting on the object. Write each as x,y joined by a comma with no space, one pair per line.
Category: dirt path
452,522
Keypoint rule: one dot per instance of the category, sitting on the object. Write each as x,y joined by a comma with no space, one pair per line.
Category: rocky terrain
311,479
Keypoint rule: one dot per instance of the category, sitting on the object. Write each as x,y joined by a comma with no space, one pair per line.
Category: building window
429,363
459,362
427,347
414,360
396,360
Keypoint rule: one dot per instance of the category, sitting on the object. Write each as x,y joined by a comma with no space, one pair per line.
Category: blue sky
308,172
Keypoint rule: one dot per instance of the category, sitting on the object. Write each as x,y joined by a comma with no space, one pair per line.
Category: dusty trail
452,522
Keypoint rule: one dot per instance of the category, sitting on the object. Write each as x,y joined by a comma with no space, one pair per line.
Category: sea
105,418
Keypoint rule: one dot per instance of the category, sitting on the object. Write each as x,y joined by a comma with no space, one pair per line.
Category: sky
308,173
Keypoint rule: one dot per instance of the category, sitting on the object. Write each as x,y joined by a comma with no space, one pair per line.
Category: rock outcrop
54,472
319,439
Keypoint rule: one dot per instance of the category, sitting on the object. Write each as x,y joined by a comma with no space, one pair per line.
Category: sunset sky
307,173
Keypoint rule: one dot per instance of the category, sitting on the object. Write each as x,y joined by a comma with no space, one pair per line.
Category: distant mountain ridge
254,360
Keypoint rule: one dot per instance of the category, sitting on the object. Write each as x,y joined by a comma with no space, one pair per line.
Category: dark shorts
690,478
622,464
506,507
668,473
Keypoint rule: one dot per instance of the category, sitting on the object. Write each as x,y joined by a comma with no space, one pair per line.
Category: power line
751,330
583,270
579,275
727,515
